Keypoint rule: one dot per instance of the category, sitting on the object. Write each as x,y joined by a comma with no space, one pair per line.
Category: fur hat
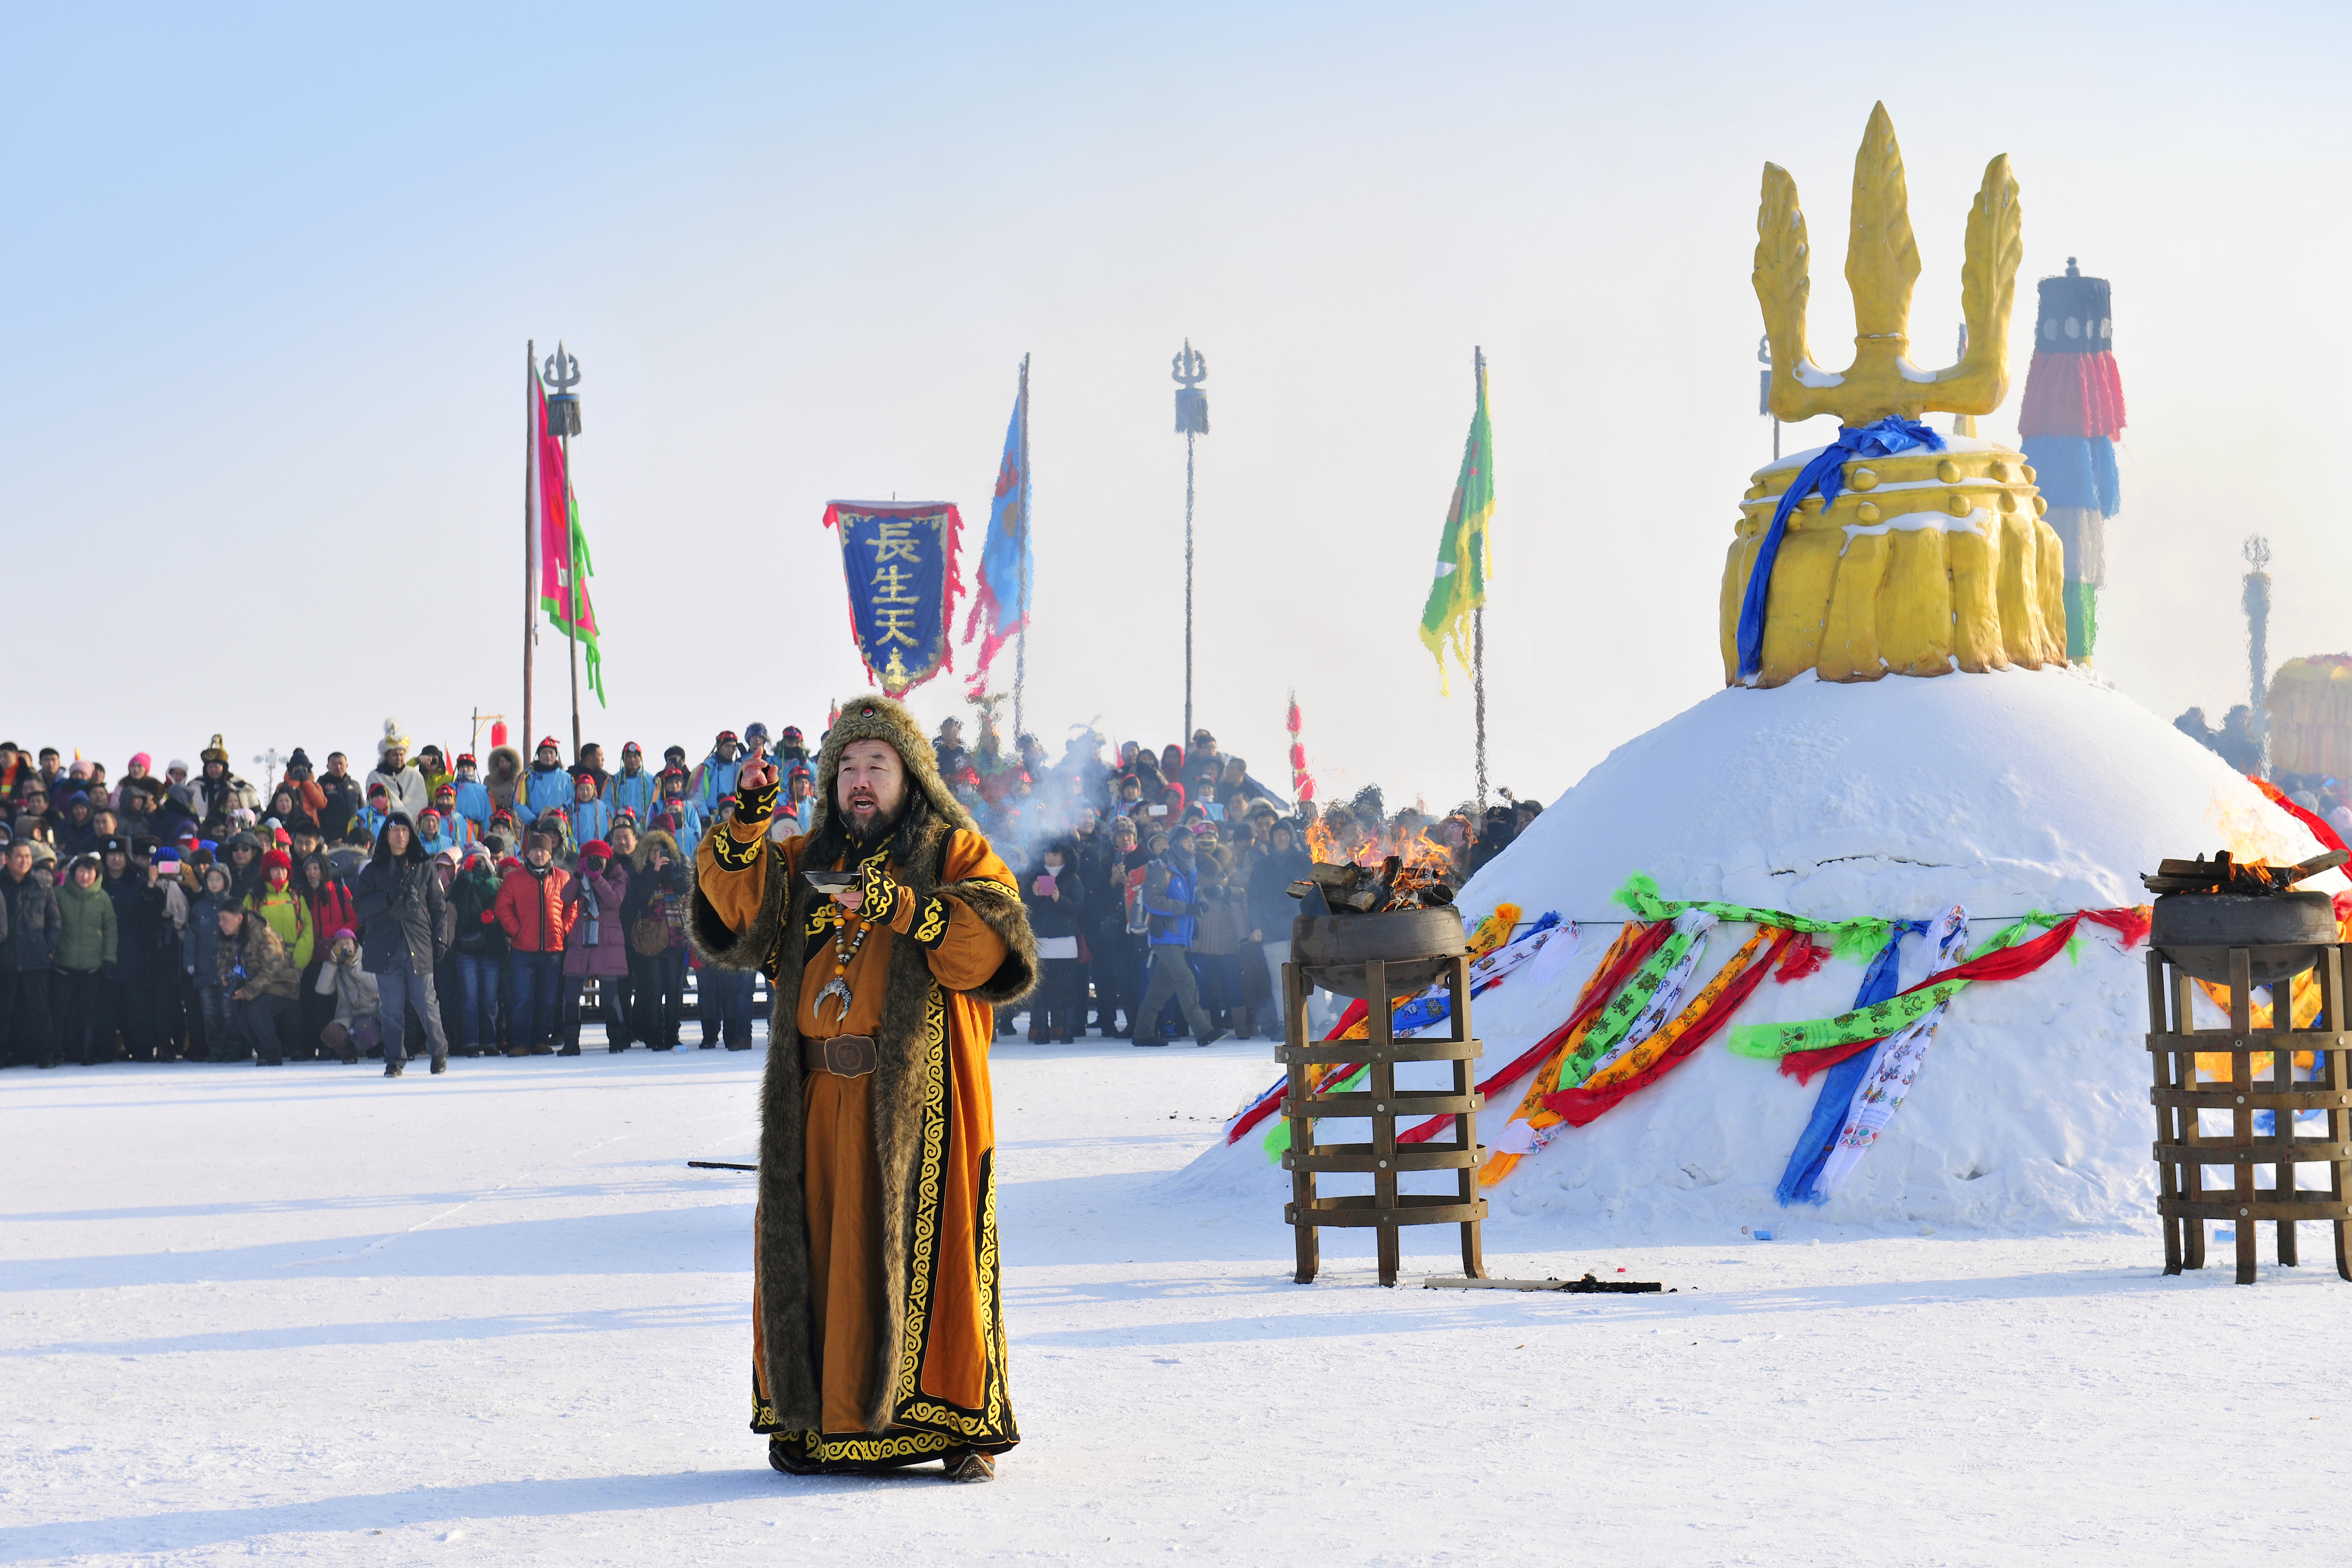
390,738
875,717
215,752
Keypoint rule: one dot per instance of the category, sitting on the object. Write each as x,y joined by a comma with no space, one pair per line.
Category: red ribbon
2328,838
1596,997
2001,963
1579,1106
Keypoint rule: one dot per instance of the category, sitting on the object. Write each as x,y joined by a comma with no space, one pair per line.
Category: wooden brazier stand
2183,1200
1381,983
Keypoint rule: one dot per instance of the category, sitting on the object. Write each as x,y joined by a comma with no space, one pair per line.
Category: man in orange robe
876,1308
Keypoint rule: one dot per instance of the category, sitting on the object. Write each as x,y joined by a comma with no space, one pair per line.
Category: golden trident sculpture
1881,263
1928,562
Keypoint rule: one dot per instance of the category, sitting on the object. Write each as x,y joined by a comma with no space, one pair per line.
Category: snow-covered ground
307,1314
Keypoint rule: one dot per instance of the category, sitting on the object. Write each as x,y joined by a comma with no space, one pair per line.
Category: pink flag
554,527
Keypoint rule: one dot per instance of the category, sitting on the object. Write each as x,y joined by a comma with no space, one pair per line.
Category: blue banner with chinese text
898,560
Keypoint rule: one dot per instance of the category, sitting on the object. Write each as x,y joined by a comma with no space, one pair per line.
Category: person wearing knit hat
471,796
592,817
376,813
431,836
478,954
456,826
633,788
887,1018
357,1022
799,804
279,902
548,786
137,768
598,946
714,777
434,768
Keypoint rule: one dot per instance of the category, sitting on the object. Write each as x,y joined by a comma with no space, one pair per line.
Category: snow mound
2005,793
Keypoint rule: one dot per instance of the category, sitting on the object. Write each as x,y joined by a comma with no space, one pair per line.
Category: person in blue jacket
548,786
591,818
632,789
714,775
473,795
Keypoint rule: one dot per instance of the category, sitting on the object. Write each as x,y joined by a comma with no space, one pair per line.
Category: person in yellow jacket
287,911
878,1316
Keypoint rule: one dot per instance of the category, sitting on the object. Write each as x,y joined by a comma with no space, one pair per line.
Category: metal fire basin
1415,944
1385,1209
2184,1151
2281,932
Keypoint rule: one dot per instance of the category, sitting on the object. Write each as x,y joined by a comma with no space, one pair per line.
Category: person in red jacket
532,911
330,901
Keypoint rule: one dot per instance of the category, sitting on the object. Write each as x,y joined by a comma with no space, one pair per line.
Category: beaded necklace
845,953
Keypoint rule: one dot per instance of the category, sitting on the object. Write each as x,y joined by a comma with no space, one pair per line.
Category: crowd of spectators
1158,883
431,906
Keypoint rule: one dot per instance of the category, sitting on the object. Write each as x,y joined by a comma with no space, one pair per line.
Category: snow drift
2004,793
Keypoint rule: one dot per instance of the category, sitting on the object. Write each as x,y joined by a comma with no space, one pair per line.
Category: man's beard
874,826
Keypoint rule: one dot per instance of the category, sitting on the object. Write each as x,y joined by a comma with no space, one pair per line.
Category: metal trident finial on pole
1191,368
562,371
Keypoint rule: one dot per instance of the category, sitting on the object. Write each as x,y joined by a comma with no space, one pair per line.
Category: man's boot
967,1465
787,1456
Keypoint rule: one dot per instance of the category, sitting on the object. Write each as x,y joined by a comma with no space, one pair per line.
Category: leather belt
843,1056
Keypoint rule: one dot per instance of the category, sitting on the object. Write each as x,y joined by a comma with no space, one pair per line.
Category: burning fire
1352,844
2253,840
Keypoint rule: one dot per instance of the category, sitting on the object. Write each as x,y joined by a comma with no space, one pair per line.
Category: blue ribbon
1825,473
1812,1151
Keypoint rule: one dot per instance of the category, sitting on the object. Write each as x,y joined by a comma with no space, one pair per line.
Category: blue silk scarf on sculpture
1812,1151
1826,473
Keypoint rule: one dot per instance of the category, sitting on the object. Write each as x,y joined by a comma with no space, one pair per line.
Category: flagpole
1188,591
571,595
1478,686
1479,615
530,522
1021,649
1192,418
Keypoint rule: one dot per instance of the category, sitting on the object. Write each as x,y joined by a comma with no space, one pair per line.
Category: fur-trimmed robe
938,1379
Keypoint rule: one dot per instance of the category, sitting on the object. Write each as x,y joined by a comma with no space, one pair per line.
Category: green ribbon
1610,1024
1771,1042
1855,940
1277,1138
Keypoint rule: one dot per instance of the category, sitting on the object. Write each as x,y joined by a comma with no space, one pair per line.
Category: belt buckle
849,1056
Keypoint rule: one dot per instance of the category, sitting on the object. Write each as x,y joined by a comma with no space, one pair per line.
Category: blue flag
1001,597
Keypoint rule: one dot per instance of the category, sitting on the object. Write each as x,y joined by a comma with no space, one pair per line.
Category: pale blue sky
270,274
